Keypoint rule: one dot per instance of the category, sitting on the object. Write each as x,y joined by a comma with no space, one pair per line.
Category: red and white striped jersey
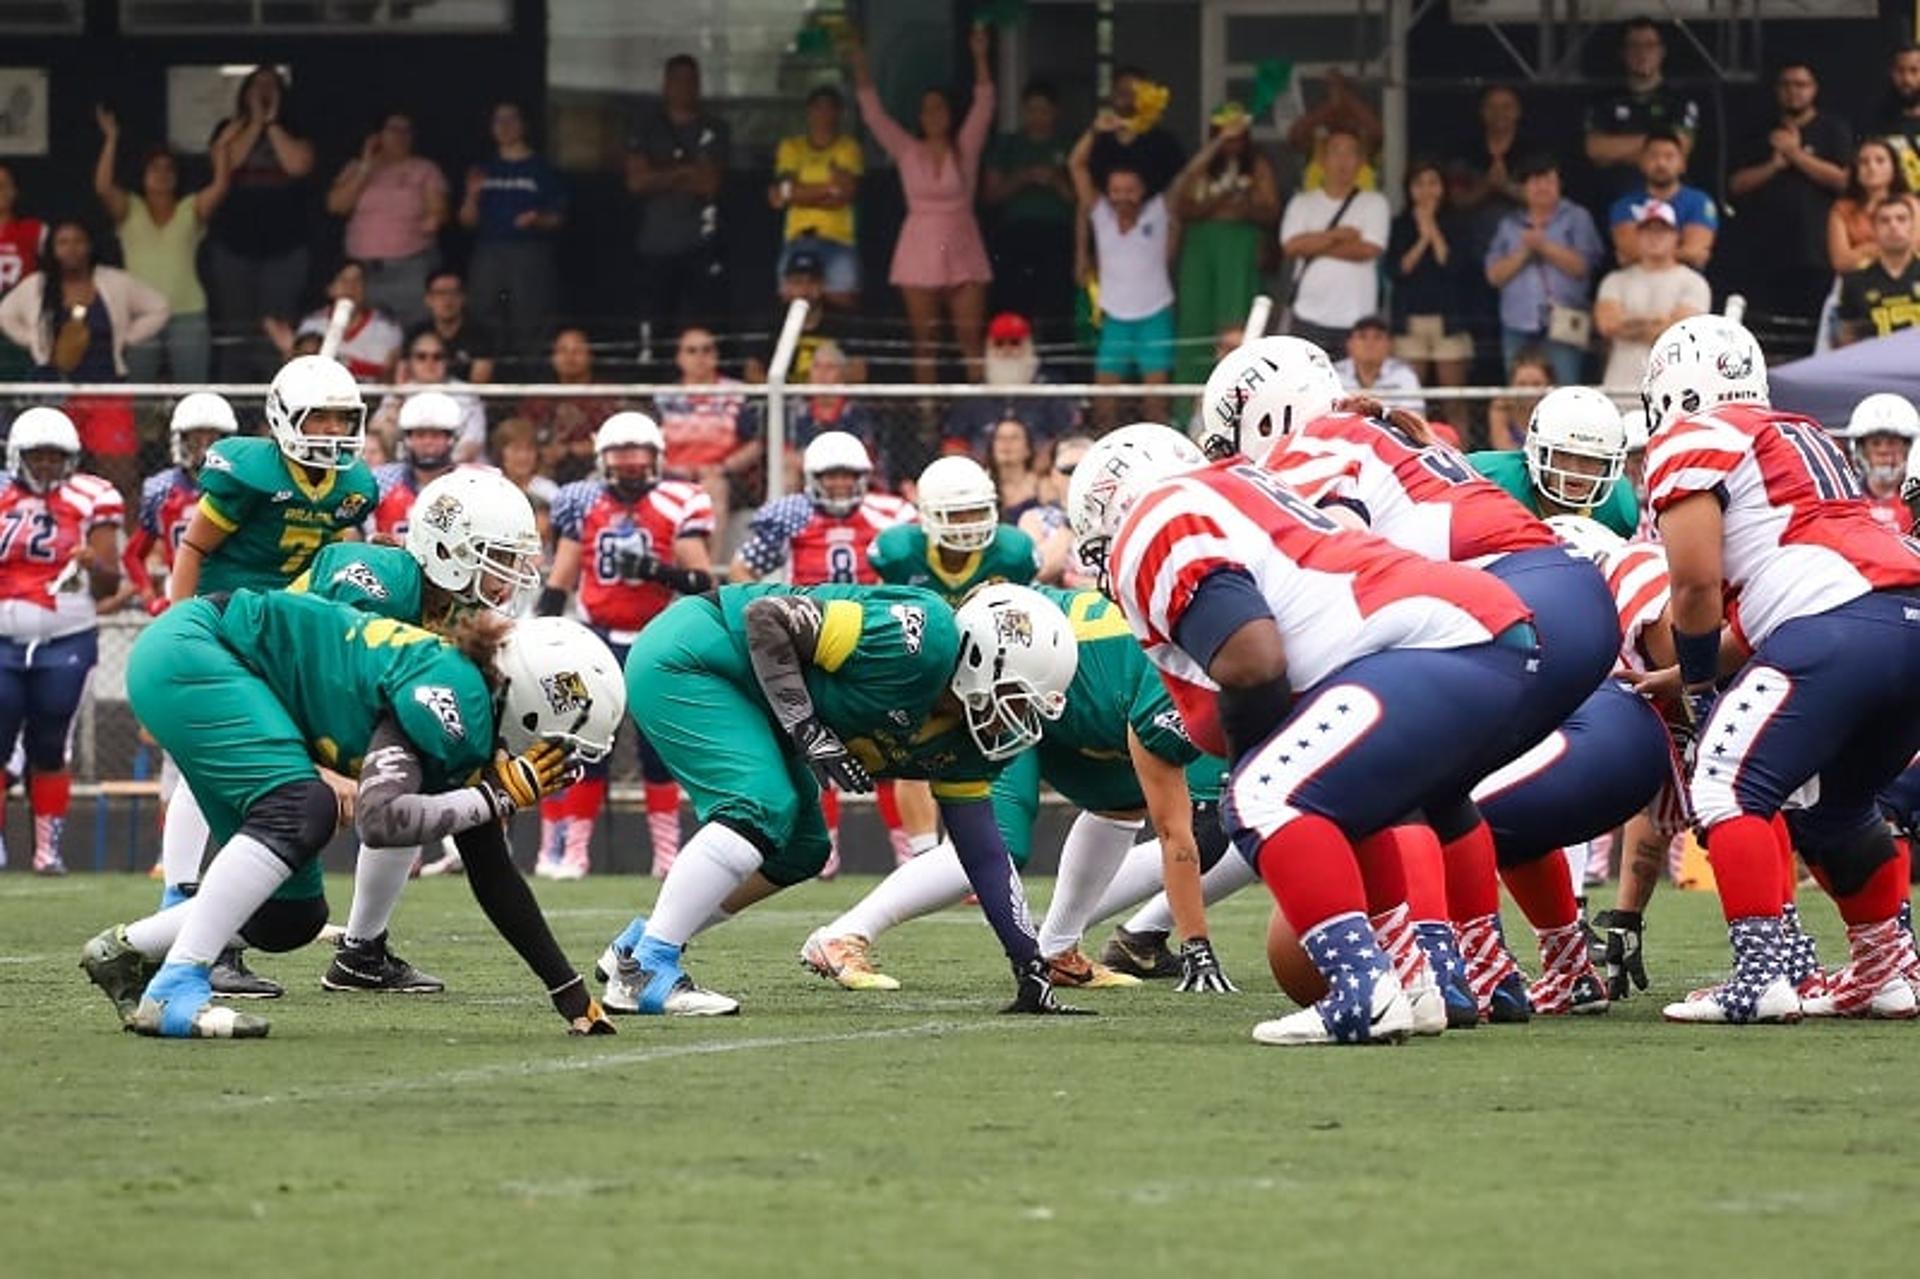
591,513
40,533
820,548
1798,538
1426,499
1891,511
1637,576
1336,594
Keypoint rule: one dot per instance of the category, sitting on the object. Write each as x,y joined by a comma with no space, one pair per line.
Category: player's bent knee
1848,851
295,820
283,925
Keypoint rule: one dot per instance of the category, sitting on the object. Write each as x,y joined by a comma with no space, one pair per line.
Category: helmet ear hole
530,721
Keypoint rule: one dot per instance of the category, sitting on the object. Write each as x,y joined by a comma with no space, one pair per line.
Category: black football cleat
369,967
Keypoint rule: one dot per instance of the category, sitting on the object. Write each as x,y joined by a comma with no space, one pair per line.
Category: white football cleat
1390,1020
689,1000
607,965
1777,1005
1428,1006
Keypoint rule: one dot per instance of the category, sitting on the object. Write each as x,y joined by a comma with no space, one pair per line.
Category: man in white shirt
1636,303
1134,240
1330,238
1370,368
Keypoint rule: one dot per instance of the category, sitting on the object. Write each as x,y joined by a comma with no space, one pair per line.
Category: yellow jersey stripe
839,634
961,792
214,513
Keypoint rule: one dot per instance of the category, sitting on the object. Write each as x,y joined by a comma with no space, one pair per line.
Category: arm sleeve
1223,603
783,637
509,906
392,813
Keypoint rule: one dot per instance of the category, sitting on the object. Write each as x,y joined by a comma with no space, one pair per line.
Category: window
22,16
394,17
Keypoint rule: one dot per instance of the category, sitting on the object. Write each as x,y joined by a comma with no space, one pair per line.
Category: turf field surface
917,1133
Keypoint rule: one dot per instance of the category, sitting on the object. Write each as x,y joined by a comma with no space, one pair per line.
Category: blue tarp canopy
1827,386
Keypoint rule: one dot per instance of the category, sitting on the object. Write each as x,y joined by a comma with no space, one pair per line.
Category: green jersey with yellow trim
383,580
884,658
1114,688
1508,468
904,556
276,519
337,670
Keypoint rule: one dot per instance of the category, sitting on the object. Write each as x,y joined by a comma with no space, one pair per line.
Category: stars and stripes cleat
1499,989
232,979
179,1005
1569,983
1450,971
1757,991
1144,955
1874,983
1387,1018
1508,1004
49,864
370,966
120,971
1073,969
1427,1003
847,961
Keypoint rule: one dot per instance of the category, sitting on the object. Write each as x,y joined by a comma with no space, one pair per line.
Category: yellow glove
593,1022
513,782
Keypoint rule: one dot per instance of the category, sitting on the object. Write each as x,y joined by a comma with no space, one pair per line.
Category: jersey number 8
609,545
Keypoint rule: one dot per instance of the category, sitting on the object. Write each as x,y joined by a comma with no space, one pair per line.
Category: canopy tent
1827,386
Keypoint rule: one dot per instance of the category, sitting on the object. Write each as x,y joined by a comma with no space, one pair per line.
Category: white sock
1094,848
932,881
1138,878
379,877
1228,876
154,936
924,843
238,882
710,866
183,838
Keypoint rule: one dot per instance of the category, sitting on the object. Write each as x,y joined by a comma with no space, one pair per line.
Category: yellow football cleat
846,961
1073,968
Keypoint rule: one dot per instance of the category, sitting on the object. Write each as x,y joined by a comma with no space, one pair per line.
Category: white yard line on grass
9,960
445,1079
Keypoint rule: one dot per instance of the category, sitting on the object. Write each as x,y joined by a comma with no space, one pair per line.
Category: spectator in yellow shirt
815,177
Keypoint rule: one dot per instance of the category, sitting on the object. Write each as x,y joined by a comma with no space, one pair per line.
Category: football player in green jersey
1570,462
1118,751
266,507
958,544
249,692
755,695
471,543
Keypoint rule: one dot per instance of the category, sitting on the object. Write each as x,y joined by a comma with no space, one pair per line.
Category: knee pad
295,820
1209,834
282,925
1848,855
45,744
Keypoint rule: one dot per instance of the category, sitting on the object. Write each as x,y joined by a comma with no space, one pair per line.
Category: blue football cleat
650,981
178,1004
1509,1005
618,949
172,895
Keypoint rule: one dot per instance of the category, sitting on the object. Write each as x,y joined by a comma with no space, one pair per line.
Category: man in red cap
1011,363
1636,303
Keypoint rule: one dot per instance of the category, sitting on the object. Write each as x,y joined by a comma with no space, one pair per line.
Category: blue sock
1344,950
630,936
181,990
173,894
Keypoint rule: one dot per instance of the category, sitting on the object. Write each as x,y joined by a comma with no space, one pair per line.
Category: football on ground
918,1132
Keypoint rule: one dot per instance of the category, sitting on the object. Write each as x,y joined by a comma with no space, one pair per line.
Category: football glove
1625,931
1033,993
829,758
514,782
1699,699
592,1022
1200,971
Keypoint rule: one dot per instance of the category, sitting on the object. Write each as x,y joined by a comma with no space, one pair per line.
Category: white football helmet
836,451
559,682
1910,487
1698,363
36,429
431,411
1570,422
472,532
630,430
310,384
1883,413
1589,539
1119,467
952,487
200,411
1017,657
1634,422
1293,382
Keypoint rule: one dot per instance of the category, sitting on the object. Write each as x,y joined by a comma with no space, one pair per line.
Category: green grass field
917,1133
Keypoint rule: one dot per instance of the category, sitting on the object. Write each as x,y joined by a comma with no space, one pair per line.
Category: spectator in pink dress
395,203
940,257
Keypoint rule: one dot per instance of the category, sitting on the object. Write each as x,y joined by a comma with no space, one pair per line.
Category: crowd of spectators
1501,258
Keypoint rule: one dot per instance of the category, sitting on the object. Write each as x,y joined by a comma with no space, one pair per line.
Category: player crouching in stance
471,543
757,695
1323,663
1761,506
246,690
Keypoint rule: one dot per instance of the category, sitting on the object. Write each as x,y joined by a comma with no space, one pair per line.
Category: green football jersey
1508,468
276,520
383,580
903,556
337,670
885,655
1114,687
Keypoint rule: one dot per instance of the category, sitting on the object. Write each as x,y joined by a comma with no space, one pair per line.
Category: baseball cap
1371,322
805,262
1654,211
1008,327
